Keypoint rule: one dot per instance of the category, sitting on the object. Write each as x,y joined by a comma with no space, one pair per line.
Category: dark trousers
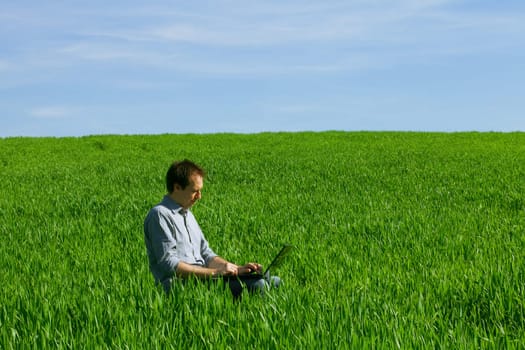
252,283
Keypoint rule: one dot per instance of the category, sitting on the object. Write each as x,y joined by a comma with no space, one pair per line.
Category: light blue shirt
172,235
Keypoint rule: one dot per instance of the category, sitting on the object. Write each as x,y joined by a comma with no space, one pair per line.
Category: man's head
184,182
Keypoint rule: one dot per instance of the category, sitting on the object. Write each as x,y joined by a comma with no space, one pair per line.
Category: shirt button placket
184,214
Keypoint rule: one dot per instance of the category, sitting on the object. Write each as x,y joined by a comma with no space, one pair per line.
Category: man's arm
216,267
217,262
160,243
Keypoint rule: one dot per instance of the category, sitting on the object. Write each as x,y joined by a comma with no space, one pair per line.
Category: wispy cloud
4,65
99,51
52,112
355,22
296,108
264,38
360,34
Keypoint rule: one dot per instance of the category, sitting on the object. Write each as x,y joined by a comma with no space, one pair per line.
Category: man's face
192,193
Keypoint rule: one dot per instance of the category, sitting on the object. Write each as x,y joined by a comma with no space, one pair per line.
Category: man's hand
249,268
228,269
225,268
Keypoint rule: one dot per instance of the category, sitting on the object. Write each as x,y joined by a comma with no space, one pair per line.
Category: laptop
276,262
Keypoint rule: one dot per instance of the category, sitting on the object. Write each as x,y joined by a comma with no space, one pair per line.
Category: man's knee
263,284
254,286
275,282
259,286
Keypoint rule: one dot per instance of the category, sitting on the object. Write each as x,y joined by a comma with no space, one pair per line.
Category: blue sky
72,68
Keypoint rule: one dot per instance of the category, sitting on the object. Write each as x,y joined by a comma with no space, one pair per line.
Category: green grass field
403,240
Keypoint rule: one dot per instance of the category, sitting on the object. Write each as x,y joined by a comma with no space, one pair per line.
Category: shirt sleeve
207,253
160,244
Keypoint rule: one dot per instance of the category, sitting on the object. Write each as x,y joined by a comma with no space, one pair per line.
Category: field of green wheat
402,240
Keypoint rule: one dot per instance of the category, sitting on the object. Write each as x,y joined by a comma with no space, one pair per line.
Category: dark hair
180,173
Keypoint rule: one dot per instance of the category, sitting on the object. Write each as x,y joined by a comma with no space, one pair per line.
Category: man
176,246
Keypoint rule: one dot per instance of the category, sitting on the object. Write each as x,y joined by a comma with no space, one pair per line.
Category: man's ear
177,187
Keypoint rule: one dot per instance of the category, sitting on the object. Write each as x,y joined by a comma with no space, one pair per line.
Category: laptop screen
279,258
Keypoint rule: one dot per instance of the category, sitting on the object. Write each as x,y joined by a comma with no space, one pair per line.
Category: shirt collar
172,205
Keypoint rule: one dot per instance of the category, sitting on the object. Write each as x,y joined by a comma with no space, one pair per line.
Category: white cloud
52,112
4,65
250,23
251,37
104,52
296,108
411,26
